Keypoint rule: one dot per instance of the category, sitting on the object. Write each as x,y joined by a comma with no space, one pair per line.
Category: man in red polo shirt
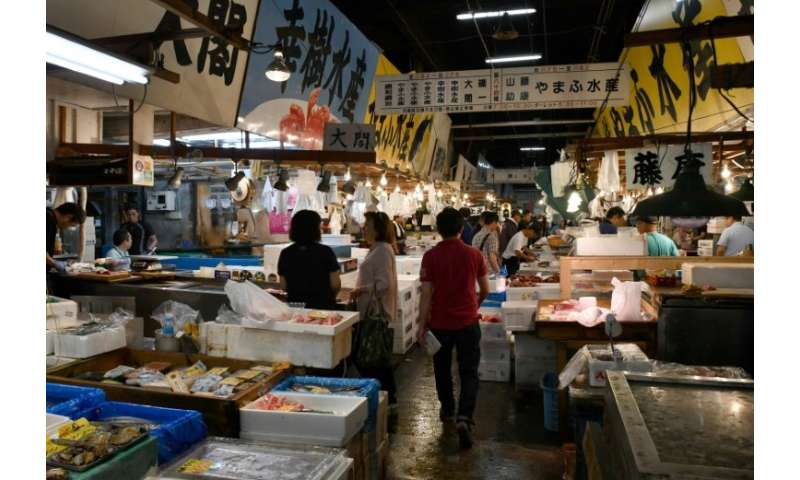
449,308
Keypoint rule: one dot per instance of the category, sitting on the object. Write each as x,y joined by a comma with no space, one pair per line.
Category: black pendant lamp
745,192
325,183
690,197
281,184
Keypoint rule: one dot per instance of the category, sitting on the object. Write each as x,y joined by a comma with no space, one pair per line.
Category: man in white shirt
735,238
517,251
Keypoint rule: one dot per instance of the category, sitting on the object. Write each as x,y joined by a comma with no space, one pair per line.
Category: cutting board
109,277
155,275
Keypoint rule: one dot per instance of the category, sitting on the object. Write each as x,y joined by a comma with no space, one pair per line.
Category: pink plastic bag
279,222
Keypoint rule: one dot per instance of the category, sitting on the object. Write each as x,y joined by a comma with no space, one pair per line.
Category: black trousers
512,265
468,352
386,378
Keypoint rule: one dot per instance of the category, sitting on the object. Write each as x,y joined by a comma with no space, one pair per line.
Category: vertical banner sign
659,167
211,70
349,137
402,140
502,89
331,63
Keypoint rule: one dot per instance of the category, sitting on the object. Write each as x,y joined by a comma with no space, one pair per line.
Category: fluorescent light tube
494,14
531,149
71,54
515,58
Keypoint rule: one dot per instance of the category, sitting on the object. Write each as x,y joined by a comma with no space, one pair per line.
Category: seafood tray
679,427
108,440
228,459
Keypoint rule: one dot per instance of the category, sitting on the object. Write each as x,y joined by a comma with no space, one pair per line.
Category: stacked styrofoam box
518,315
719,275
408,265
495,364
70,345
533,357
705,248
542,291
610,246
61,313
715,225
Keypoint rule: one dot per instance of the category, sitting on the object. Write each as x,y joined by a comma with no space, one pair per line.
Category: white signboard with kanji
658,166
520,88
349,137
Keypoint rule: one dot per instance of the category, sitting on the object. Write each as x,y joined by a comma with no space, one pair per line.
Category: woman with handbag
376,297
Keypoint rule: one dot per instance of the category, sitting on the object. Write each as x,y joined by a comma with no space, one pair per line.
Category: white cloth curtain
608,174
560,177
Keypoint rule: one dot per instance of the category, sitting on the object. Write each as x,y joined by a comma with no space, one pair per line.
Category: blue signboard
332,66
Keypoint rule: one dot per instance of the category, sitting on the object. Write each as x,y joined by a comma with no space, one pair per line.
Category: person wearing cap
658,244
615,218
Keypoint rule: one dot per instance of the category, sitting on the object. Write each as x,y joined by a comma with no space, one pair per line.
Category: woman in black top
308,270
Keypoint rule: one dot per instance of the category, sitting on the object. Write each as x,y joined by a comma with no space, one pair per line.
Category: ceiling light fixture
397,188
725,173
368,183
383,181
325,182
347,175
233,182
277,71
494,14
74,53
280,184
746,193
514,58
532,149
175,180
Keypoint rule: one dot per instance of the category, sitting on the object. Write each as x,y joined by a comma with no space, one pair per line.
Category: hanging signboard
211,71
349,137
520,88
659,166
331,64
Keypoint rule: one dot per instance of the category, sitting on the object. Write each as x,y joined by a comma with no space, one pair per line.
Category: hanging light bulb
659,190
453,199
726,173
277,71
379,190
397,188
418,188
347,176
368,183
466,196
541,201
729,186
384,181
349,196
439,194
574,202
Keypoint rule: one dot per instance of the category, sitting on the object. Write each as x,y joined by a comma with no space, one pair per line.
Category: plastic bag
227,316
608,173
182,313
256,306
267,200
120,317
375,339
626,300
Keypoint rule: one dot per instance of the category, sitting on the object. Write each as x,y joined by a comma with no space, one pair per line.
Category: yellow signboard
659,74
401,140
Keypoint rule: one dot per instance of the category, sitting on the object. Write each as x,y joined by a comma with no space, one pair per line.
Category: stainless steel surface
695,380
660,429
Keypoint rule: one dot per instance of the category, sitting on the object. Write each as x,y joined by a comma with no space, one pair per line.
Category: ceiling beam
733,75
193,16
152,37
518,136
523,123
621,143
720,27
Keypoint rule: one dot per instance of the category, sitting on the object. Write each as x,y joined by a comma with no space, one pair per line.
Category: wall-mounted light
494,14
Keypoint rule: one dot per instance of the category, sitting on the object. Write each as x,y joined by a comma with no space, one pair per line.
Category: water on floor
511,442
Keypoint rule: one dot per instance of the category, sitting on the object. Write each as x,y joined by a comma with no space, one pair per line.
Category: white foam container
496,352
542,291
295,428
408,265
633,359
719,275
54,422
328,239
518,315
50,342
61,314
610,245
85,346
214,339
494,371
317,346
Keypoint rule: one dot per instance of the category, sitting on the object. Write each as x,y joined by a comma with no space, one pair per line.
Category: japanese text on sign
349,137
659,166
521,88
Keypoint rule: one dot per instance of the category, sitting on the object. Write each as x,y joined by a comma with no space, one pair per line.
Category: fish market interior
350,240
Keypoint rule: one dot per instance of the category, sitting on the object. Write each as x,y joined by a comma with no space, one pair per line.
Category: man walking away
468,233
449,308
510,228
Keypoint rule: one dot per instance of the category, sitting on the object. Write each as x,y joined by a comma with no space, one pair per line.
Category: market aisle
511,442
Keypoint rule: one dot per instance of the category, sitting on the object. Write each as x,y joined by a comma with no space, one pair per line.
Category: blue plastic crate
491,304
497,297
367,387
67,399
177,430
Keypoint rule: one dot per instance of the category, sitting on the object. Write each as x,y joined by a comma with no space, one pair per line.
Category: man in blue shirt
615,218
467,233
658,244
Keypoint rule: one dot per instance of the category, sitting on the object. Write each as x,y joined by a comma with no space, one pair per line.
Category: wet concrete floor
511,442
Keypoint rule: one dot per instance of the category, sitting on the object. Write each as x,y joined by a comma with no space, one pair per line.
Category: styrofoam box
542,291
85,346
610,246
719,275
529,370
304,428
494,371
214,339
306,349
52,361
633,359
55,421
527,345
408,265
50,342
496,351
406,297
518,315
328,239
62,313
400,348
492,332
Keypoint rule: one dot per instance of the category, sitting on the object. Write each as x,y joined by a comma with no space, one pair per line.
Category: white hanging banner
520,88
659,166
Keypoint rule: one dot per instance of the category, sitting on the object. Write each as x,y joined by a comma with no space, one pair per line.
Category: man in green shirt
658,245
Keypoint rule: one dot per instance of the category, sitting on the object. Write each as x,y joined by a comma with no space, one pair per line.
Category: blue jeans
468,351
